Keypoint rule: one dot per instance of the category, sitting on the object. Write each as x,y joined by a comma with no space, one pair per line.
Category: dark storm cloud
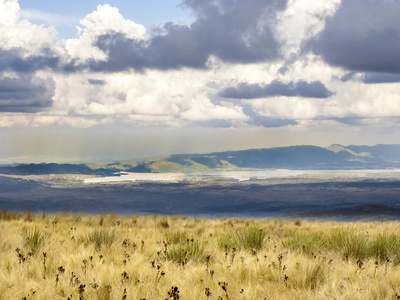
372,77
234,31
25,94
362,36
314,89
348,76
381,78
13,60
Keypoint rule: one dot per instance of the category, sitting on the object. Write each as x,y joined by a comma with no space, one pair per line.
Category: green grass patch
248,238
308,244
176,237
192,250
385,246
100,238
33,239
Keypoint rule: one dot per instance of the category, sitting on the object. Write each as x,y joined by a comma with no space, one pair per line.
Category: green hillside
334,157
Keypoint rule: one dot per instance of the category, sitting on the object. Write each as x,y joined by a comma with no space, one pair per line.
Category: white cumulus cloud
28,38
105,20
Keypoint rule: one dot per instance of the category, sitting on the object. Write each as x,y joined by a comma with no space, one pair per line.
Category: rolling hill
334,157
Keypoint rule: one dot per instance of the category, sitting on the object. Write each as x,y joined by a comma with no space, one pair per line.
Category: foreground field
74,256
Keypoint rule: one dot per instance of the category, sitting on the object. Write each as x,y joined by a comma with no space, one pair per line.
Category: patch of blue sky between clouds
65,15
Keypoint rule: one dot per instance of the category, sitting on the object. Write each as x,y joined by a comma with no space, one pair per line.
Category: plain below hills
371,212
334,157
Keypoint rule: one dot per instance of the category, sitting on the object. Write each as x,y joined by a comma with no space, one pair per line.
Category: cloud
238,32
21,35
24,47
371,77
14,60
9,12
96,81
362,36
169,98
105,20
381,78
25,93
300,21
174,75
256,119
315,89
202,109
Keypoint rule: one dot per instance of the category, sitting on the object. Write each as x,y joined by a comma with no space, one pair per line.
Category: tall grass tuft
349,243
33,239
192,250
227,242
176,237
308,277
8,215
312,276
386,245
105,292
249,238
163,224
100,238
308,244
177,254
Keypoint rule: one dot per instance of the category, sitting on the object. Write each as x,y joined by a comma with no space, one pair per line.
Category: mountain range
334,157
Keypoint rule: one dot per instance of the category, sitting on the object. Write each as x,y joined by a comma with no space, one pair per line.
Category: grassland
77,256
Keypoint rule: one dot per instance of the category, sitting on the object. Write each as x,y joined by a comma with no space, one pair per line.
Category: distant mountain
338,148
364,213
52,168
390,153
334,157
296,157
299,157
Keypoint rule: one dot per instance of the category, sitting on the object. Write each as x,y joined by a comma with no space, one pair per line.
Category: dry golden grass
76,256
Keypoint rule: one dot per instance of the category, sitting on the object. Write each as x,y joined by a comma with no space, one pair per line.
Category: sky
118,79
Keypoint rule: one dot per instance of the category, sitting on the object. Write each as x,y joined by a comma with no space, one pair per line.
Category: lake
240,175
